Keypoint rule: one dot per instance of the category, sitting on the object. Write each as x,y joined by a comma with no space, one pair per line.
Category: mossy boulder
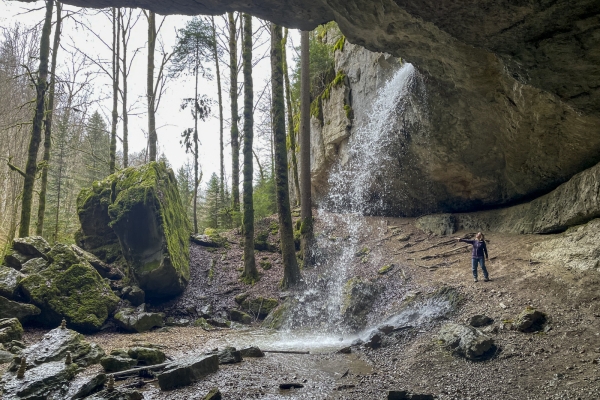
34,246
358,298
147,355
530,320
13,309
9,281
10,329
240,316
138,320
71,288
260,306
34,265
115,363
141,207
279,315
15,260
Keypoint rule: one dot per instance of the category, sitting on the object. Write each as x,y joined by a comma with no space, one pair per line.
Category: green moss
349,112
316,109
274,228
265,265
339,45
339,79
385,269
202,323
260,306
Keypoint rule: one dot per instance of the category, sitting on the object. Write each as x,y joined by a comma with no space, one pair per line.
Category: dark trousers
479,260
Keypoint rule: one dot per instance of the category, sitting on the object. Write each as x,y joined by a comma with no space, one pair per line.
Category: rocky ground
560,362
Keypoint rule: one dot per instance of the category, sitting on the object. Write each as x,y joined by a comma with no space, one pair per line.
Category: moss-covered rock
530,320
13,309
358,299
138,320
71,288
279,315
10,329
34,246
259,306
9,281
202,323
147,355
240,316
34,265
385,269
261,242
115,363
15,260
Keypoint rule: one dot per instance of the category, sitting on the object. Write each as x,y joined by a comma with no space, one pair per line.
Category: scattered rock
208,240
134,295
465,341
403,237
530,320
345,350
187,371
240,316
15,260
252,351
357,342
219,322
54,347
117,362
10,329
12,309
480,320
105,270
9,282
214,394
172,321
386,329
117,394
229,355
202,323
206,310
405,395
137,319
70,288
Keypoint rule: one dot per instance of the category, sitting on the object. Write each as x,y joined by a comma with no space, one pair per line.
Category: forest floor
559,363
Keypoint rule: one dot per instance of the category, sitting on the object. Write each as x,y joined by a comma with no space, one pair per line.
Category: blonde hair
480,237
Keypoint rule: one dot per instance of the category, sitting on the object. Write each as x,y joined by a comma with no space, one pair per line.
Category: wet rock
187,371
34,246
39,381
15,260
260,306
229,355
440,224
345,350
12,309
134,295
290,385
147,355
358,298
373,340
252,351
6,357
10,329
406,395
480,320
385,329
278,317
34,265
116,394
81,388
219,322
105,270
117,362
530,320
138,320
71,288
357,342
240,316
465,341
214,394
208,240
206,311
9,282
55,345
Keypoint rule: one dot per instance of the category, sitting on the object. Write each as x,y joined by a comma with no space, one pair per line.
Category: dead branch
434,246
447,253
286,352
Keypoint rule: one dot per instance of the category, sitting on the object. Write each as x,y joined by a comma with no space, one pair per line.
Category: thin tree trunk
48,125
125,116
220,98
290,118
291,272
196,180
36,131
260,168
235,133
250,272
152,137
306,227
115,112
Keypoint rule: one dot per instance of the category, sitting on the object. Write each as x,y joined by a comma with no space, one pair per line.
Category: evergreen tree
211,202
97,146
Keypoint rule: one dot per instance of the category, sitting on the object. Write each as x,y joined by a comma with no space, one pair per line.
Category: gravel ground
561,363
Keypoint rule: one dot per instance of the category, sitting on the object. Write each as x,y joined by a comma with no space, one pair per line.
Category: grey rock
373,341
39,381
240,316
205,311
207,241
385,329
406,395
115,363
229,355
13,309
252,351
82,387
105,270
34,246
357,342
9,282
465,341
134,295
187,371
147,355
358,298
530,320
10,329
34,265
138,320
219,322
54,347
172,321
6,357
480,320
15,260
440,224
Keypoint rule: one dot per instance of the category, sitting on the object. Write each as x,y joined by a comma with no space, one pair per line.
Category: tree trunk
196,180
220,98
48,125
235,133
125,116
36,131
250,272
152,137
306,227
290,118
291,272
115,77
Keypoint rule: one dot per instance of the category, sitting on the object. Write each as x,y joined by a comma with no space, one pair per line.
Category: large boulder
70,288
39,382
358,298
10,329
9,281
138,319
13,309
186,371
465,341
141,207
34,246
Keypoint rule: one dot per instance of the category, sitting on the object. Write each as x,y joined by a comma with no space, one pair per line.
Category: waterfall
356,189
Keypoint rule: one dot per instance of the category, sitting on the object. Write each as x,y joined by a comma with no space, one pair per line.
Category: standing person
479,250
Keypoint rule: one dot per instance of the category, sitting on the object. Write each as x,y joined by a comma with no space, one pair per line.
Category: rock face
71,288
465,341
142,209
578,247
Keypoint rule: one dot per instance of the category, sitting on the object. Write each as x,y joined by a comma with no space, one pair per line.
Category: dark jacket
479,248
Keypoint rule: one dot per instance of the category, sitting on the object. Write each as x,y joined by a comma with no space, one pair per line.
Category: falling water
357,188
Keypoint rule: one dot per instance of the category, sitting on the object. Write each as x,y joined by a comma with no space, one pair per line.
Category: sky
170,120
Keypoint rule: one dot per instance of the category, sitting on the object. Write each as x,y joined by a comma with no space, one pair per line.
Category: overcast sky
170,121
